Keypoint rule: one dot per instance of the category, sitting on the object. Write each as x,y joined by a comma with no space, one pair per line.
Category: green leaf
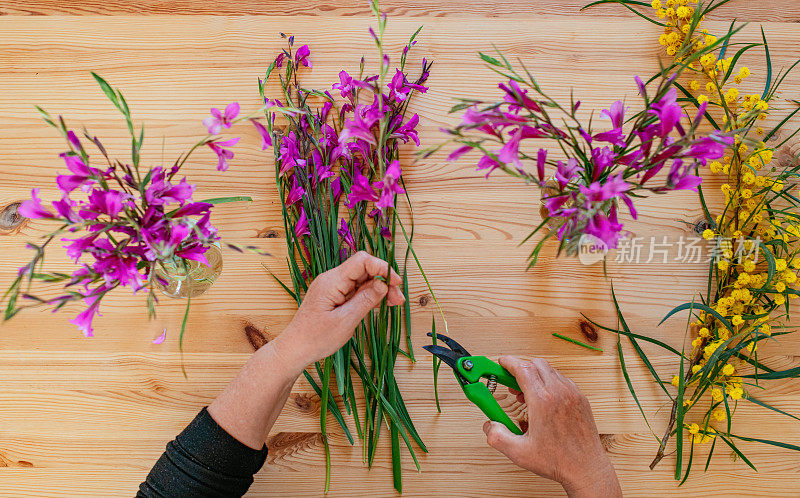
768,406
700,306
769,65
223,200
781,374
489,59
767,441
736,450
630,387
112,96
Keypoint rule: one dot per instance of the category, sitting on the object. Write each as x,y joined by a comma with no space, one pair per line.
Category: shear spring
491,383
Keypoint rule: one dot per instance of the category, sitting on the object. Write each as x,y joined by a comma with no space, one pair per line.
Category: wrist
290,353
601,480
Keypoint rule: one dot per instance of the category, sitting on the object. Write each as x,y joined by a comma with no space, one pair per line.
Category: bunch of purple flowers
582,187
123,222
337,168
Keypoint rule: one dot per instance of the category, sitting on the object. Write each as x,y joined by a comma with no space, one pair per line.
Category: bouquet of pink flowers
125,226
582,188
337,168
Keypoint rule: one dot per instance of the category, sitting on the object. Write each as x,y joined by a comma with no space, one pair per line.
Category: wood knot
305,403
588,331
608,441
255,337
701,226
283,444
268,234
424,300
24,463
10,217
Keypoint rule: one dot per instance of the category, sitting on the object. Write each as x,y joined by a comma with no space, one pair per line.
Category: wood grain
89,417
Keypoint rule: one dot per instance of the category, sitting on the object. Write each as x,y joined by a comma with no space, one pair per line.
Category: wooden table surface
90,416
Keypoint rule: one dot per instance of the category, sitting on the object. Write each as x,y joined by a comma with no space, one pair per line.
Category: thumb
367,297
502,439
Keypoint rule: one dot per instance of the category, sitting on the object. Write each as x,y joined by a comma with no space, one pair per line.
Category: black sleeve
203,460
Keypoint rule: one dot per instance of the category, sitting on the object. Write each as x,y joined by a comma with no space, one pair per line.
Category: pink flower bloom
682,178
301,56
459,152
605,228
390,187
108,202
345,85
400,89
336,188
160,339
301,227
220,119
279,59
668,111
616,113
347,236
541,157
192,209
222,153
81,173
195,252
85,317
32,208
361,190
518,96
266,139
408,130
566,171
64,209
487,162
597,192
295,192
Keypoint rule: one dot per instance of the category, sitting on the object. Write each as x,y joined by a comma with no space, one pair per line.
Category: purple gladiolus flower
668,111
407,131
336,188
347,236
295,192
223,154
301,56
345,85
605,228
32,208
81,173
195,252
108,202
64,209
400,89
487,162
361,190
616,113
220,119
266,139
192,209
680,177
640,85
85,317
711,147
541,157
390,186
597,192
566,171
301,227
459,152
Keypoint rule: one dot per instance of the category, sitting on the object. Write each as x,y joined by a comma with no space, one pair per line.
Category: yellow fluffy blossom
728,370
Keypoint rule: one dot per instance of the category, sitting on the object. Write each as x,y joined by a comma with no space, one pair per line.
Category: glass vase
181,278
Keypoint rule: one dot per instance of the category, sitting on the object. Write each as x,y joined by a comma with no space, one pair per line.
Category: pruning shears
469,371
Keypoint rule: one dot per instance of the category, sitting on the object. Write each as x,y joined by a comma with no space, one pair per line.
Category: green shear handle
475,368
